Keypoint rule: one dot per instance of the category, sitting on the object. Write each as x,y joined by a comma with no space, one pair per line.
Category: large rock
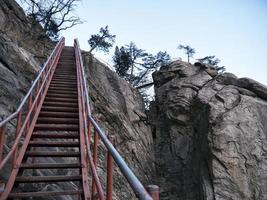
22,49
210,135
119,108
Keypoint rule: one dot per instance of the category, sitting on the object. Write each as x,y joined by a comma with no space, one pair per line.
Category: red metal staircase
54,122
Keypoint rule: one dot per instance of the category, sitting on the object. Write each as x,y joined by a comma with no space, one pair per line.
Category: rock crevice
210,134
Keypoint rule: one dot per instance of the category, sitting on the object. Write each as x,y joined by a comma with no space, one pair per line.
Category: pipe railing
149,193
23,116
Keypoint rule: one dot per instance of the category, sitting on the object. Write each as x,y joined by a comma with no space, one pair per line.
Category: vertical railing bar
16,135
95,148
110,172
29,107
2,142
153,190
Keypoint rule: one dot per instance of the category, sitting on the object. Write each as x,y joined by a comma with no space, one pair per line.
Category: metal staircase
54,122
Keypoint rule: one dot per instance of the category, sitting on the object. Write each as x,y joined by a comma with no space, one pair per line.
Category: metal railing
88,123
24,118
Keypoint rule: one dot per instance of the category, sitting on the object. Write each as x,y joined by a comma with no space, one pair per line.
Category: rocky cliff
210,134
22,50
120,110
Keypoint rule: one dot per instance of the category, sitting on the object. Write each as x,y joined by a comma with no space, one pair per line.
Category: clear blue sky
233,30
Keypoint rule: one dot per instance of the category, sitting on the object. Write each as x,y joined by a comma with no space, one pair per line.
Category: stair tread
57,135
57,108
52,154
54,120
49,165
60,99
64,86
70,96
41,194
63,89
70,104
56,127
34,179
58,114
64,80
57,91
54,144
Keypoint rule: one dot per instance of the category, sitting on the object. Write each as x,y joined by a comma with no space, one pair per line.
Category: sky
235,31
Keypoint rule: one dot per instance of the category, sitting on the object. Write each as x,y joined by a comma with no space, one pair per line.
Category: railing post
110,171
153,190
36,92
2,142
89,132
16,134
96,139
29,107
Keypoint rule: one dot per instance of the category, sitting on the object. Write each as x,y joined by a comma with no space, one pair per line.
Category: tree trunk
90,51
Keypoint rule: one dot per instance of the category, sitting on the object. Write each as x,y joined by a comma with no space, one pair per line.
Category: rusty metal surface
134,182
153,190
31,105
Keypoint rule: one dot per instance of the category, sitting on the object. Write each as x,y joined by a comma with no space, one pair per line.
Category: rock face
210,134
21,52
119,108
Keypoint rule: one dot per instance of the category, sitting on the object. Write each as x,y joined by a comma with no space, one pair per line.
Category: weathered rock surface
210,134
22,49
120,110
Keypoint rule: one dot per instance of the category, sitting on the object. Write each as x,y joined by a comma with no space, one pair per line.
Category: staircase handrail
30,100
134,182
11,116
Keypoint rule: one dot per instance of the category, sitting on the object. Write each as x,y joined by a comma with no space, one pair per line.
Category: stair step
63,79
70,96
56,127
52,91
43,179
53,144
64,83
51,154
58,114
67,62
67,77
61,135
53,82
59,99
59,109
53,120
63,88
67,73
49,165
65,104
74,86
65,67
43,194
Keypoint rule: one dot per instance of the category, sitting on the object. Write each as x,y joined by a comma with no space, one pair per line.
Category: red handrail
27,109
152,191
